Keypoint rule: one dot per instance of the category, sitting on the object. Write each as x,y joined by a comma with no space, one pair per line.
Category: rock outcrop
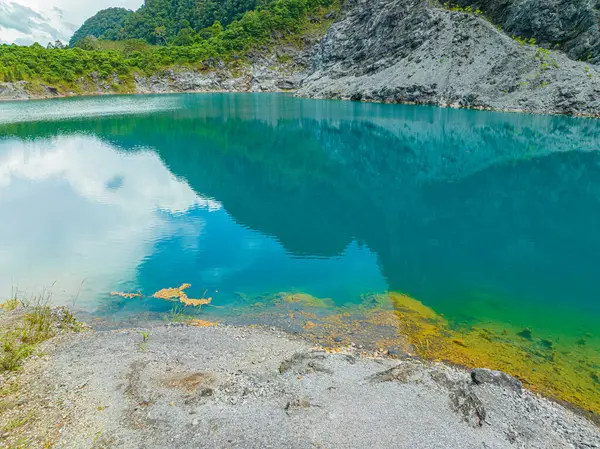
265,74
14,91
409,51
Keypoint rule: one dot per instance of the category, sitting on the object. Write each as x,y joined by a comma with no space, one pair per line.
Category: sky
24,22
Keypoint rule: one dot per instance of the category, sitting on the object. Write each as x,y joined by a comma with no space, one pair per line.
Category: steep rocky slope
409,51
572,24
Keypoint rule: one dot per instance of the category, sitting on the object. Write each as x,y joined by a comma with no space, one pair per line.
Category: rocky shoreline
221,386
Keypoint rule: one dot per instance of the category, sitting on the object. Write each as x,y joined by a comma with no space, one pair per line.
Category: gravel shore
236,387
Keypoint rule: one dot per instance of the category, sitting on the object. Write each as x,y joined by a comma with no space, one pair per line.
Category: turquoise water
479,215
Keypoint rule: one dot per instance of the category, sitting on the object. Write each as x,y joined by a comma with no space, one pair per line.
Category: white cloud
94,214
27,21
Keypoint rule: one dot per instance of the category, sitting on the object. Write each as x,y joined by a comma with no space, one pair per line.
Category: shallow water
487,218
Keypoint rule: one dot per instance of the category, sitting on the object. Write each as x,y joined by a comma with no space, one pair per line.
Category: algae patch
307,300
561,366
173,294
170,294
127,295
203,323
553,365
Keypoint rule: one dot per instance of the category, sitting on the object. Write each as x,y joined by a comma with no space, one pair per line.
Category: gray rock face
189,81
408,51
573,24
259,77
14,91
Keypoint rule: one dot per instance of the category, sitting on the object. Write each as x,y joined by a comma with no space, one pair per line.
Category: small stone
487,376
525,333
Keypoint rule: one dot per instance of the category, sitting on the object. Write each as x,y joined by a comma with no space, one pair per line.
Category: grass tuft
10,305
38,323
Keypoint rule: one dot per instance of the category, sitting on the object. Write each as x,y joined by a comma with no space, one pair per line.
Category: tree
88,43
160,34
186,36
106,24
216,30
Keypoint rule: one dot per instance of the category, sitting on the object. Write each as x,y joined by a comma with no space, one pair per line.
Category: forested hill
107,24
166,21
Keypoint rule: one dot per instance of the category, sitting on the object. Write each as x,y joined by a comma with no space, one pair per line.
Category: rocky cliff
409,51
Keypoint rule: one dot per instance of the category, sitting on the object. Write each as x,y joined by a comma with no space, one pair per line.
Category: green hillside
277,21
164,22
107,24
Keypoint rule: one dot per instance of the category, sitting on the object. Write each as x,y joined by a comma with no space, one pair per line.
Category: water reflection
76,209
480,215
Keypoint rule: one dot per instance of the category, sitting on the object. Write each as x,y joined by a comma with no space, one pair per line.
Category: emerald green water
481,216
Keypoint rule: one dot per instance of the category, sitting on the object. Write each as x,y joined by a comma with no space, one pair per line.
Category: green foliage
106,24
524,41
466,10
185,22
34,324
95,61
144,343
173,16
13,352
57,66
88,43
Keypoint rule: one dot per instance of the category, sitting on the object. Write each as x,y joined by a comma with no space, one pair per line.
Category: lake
294,212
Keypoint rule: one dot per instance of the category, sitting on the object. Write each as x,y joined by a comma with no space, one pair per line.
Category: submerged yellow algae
203,323
177,293
126,295
561,369
559,366
309,325
169,293
194,302
307,300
